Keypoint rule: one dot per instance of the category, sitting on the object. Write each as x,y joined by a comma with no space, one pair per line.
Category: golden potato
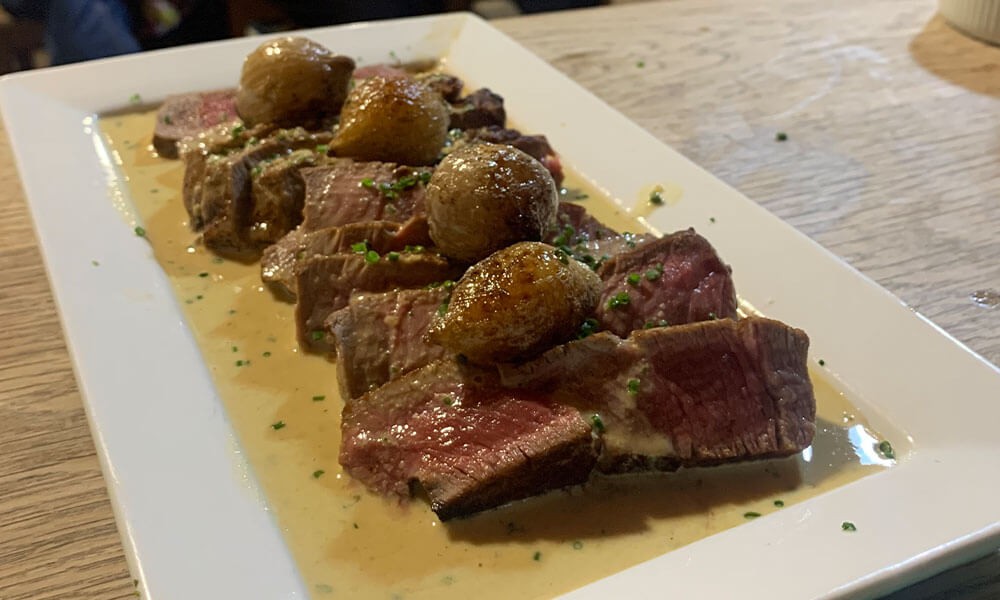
292,81
516,303
484,197
392,120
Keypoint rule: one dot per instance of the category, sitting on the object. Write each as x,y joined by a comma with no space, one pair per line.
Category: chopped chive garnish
781,136
371,257
633,279
886,449
278,425
318,473
620,299
319,398
317,335
392,256
655,198
537,556
779,503
139,231
632,386
848,526
597,422
751,515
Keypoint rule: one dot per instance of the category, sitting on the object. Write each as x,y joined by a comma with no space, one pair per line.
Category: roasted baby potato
484,197
292,81
516,303
392,120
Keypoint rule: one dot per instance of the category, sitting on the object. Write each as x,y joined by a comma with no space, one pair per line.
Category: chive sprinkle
392,256
319,398
139,231
318,473
278,425
821,362
598,423
632,386
371,257
779,503
848,526
781,136
633,279
751,515
317,335
619,300
886,449
655,198
537,556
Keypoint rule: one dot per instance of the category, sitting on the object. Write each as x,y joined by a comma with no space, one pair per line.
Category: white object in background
978,18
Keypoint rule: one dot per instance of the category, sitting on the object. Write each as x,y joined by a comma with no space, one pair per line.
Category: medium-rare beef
470,444
277,193
574,225
325,284
224,204
675,279
481,108
349,192
187,115
692,395
280,261
381,336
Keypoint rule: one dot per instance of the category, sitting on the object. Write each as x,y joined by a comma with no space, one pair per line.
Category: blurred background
39,33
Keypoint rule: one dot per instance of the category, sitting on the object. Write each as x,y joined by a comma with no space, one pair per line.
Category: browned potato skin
392,120
516,303
484,197
292,81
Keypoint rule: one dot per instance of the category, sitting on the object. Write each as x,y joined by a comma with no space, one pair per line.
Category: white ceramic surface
191,519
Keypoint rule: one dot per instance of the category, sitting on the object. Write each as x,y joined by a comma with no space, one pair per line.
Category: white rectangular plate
191,520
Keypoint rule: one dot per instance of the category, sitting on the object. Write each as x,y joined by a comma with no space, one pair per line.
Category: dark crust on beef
481,108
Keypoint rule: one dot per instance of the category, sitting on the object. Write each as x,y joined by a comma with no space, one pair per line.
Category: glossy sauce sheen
349,543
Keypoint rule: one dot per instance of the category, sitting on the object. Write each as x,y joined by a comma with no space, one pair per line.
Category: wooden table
891,162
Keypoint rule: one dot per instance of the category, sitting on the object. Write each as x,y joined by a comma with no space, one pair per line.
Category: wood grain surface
891,162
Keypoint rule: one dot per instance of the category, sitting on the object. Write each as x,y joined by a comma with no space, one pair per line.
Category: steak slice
226,207
280,261
692,395
468,442
186,115
210,145
277,195
536,146
675,279
381,336
481,108
349,192
325,284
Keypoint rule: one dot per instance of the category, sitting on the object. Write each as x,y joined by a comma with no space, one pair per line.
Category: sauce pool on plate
347,542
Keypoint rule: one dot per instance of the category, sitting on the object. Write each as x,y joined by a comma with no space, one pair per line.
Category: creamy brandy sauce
349,543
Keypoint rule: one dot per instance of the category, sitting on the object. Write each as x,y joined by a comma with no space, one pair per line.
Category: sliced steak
469,443
449,86
225,205
277,195
325,284
675,279
187,115
349,192
280,261
481,108
536,146
574,225
692,395
381,336
208,146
